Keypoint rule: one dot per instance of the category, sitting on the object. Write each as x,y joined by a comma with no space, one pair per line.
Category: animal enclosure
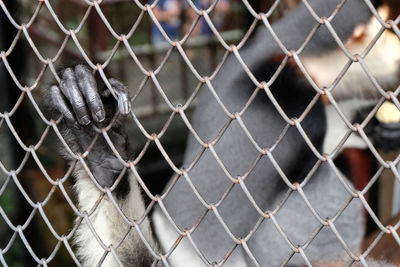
38,205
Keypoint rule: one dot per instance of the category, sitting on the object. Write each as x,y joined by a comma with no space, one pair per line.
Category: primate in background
78,100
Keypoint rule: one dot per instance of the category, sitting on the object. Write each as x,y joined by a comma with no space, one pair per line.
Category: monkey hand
86,113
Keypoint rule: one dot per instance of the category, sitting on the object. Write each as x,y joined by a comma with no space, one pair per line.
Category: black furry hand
78,100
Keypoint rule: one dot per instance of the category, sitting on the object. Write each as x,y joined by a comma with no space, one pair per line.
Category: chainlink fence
36,201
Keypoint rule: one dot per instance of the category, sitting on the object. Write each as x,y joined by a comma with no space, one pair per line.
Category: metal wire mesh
122,41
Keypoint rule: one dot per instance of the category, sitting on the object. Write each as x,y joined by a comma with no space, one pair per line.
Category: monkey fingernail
124,106
127,107
100,115
85,120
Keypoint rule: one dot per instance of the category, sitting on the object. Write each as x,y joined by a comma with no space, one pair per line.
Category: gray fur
324,191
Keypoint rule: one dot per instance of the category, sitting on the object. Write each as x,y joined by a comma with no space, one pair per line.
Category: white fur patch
382,60
108,223
337,129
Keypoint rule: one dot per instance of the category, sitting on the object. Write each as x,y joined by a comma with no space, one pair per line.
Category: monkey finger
88,88
124,105
59,104
71,91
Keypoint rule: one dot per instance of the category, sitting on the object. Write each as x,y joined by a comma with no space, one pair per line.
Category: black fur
101,160
294,93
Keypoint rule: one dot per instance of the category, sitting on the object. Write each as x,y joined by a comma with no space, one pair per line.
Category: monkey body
265,185
238,154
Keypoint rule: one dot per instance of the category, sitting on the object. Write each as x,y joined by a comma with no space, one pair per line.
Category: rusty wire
181,110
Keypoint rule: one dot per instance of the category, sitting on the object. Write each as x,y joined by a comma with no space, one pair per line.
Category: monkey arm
106,193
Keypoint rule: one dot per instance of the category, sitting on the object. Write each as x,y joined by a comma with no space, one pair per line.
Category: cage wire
61,182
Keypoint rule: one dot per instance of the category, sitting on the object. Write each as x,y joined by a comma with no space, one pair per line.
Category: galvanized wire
122,41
